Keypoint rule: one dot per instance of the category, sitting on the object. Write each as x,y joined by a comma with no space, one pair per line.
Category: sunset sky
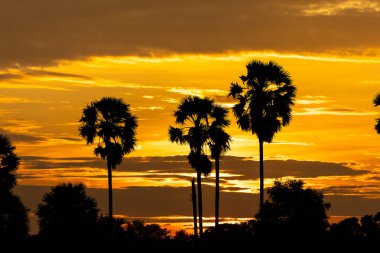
56,56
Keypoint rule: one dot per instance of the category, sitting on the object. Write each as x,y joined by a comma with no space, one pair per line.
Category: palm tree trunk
261,174
194,199
110,213
216,192
199,183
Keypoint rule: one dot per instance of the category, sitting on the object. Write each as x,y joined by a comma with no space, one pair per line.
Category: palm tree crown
376,102
110,122
9,163
219,142
194,116
264,99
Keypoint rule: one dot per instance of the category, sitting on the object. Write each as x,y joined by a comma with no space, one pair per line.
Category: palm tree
194,115
9,163
264,104
109,122
14,222
376,102
219,144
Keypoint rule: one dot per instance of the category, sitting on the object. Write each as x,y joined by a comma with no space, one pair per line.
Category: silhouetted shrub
348,230
14,223
371,226
67,213
138,230
292,211
113,226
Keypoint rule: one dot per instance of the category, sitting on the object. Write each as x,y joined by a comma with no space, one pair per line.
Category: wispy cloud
312,100
294,143
170,100
197,91
17,100
340,7
152,108
333,111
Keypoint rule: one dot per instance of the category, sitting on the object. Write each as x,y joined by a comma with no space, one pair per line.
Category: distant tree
67,212
182,236
194,116
371,226
116,225
14,222
9,163
110,124
219,144
138,230
293,209
348,230
376,102
264,104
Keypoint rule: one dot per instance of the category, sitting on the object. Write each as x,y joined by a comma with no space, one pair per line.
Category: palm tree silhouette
264,104
219,144
109,122
9,163
14,222
376,102
195,115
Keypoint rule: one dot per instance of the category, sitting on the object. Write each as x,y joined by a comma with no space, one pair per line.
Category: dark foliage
67,212
292,210
376,102
9,163
14,222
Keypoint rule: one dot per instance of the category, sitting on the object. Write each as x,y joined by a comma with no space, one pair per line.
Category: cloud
312,100
43,32
152,108
24,138
196,91
333,111
40,72
9,76
342,7
18,100
238,167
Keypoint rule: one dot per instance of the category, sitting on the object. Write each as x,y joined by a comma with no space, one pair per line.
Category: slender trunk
109,190
194,199
199,183
261,174
216,192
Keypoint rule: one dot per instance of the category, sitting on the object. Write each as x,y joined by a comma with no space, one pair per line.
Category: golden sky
56,57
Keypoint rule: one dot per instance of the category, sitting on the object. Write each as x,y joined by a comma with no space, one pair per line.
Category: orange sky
151,57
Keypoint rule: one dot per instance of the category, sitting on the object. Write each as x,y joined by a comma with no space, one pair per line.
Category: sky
57,56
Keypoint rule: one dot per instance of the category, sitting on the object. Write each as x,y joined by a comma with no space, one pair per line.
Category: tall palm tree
9,163
264,104
194,116
110,124
219,144
376,102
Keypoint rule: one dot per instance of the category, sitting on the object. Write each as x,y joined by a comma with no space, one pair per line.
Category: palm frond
376,100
